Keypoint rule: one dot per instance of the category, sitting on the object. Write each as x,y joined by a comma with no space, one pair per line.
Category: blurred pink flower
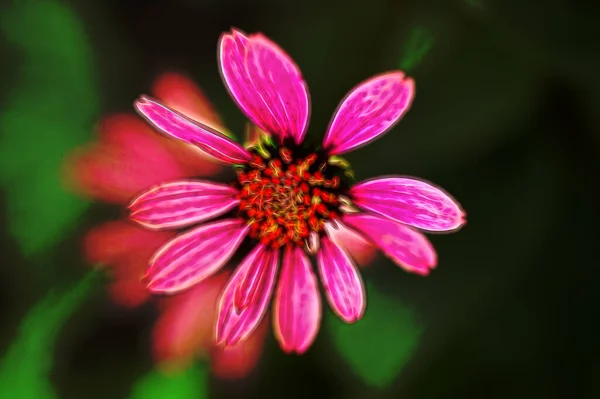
128,157
288,198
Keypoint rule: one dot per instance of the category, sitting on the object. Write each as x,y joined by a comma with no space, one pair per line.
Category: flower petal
181,94
368,111
265,83
124,249
128,158
406,247
249,285
237,361
297,303
193,256
186,324
409,201
341,281
181,127
129,293
234,324
351,242
182,203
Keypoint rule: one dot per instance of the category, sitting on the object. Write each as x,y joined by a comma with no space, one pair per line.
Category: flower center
287,197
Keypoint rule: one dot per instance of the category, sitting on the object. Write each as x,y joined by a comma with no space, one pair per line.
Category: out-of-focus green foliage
25,367
418,45
189,384
381,344
49,110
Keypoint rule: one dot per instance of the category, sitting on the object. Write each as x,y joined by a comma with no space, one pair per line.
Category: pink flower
128,157
289,199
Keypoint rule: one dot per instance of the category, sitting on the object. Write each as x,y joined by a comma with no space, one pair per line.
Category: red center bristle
284,201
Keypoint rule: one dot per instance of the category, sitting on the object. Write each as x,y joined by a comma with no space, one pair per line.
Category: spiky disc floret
287,194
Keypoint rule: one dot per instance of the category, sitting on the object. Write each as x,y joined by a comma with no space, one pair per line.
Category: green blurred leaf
50,110
25,367
419,43
189,384
381,344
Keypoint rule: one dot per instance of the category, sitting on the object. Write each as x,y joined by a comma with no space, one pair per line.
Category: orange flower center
285,198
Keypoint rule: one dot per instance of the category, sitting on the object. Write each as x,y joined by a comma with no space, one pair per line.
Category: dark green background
506,118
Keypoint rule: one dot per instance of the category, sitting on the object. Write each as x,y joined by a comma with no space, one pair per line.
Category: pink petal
128,158
248,286
181,94
234,324
193,256
237,361
181,127
341,281
297,303
186,324
409,201
124,248
354,244
182,203
406,247
368,111
265,83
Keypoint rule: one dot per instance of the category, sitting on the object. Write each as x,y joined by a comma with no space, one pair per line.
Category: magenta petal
249,285
176,125
297,303
182,203
341,281
265,83
234,324
368,111
409,201
406,247
191,257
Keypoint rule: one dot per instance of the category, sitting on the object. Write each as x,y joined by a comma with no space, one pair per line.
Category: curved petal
186,323
341,281
128,158
193,256
115,241
234,324
129,293
182,203
354,244
181,127
265,83
368,111
297,303
237,361
124,248
409,201
408,248
248,287
180,93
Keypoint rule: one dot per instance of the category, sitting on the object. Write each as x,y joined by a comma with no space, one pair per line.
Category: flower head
289,199
127,158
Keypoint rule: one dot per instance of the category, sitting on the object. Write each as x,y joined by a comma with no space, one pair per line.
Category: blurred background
505,118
